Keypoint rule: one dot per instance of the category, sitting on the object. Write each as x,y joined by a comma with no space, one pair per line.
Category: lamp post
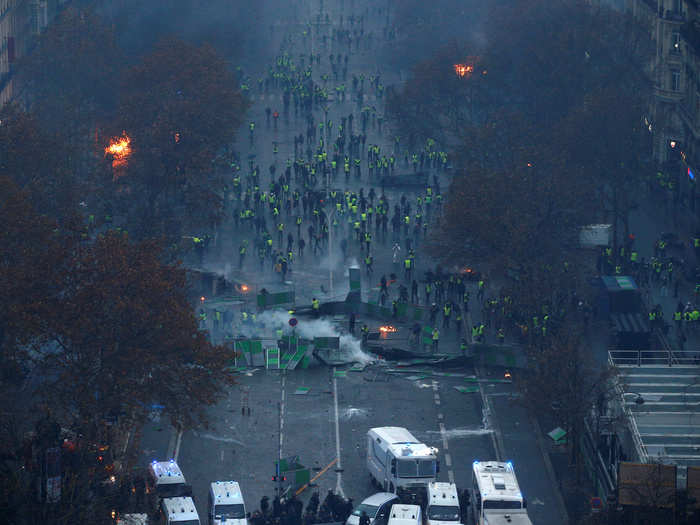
330,248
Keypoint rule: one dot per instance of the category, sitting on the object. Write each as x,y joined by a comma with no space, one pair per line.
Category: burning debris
464,70
387,329
120,149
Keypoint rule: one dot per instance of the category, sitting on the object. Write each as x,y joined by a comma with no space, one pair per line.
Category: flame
120,149
388,329
463,70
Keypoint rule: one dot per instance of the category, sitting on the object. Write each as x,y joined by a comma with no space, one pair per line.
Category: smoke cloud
270,321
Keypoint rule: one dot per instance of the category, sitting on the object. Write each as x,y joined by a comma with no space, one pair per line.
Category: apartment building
21,21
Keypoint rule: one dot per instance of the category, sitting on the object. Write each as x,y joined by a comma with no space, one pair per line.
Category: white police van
226,504
443,504
178,511
166,480
401,514
398,462
495,496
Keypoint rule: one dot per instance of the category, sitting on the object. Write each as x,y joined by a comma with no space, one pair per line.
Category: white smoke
268,322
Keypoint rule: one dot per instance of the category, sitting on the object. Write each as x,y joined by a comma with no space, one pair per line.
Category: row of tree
546,126
179,105
96,324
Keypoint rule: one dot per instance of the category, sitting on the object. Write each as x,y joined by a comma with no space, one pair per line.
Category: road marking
171,444
177,444
222,455
284,379
451,476
448,460
219,438
339,475
444,436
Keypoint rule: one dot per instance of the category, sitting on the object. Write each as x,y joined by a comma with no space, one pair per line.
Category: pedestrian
436,339
364,518
365,333
264,504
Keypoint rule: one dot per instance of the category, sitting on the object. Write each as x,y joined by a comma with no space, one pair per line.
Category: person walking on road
436,339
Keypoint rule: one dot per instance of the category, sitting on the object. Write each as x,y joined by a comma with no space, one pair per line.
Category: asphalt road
244,448
332,419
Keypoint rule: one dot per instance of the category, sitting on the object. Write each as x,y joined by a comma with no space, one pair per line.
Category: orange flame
388,329
120,149
463,70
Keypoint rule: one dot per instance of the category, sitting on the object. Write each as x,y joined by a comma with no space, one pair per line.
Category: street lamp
330,248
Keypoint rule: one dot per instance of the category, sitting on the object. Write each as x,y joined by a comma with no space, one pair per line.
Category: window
235,511
377,451
416,468
675,80
675,42
501,504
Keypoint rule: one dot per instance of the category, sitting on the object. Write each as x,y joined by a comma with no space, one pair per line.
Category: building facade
21,21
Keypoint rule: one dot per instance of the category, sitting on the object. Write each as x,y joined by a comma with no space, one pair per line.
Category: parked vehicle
443,504
178,511
495,496
402,514
399,463
377,507
226,504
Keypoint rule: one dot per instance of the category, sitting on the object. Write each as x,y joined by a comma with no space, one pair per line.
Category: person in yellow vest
436,339
316,307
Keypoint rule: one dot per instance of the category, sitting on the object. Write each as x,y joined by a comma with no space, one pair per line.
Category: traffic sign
293,321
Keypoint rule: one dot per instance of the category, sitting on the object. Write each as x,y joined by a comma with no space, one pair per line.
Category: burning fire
243,288
388,329
120,149
464,70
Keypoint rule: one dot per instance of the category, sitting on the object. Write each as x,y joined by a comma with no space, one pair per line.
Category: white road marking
219,438
338,482
222,455
443,434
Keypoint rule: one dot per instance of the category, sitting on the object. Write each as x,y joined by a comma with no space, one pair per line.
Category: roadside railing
654,357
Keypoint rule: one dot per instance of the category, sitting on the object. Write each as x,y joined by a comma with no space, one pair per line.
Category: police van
443,504
166,480
495,496
226,504
401,514
398,462
178,511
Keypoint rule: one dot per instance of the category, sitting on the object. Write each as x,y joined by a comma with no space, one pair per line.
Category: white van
405,515
443,504
178,511
495,496
166,480
226,503
398,462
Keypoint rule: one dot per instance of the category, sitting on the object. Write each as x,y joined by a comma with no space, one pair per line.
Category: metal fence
654,357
